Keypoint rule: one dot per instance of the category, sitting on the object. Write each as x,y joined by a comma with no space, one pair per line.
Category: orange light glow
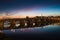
3,17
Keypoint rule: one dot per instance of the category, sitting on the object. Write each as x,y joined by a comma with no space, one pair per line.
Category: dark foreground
44,36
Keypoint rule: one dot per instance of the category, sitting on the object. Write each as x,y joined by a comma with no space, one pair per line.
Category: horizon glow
30,8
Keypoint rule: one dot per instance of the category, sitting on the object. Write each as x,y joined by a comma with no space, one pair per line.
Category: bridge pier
37,22
45,22
22,23
17,23
13,22
30,23
1,25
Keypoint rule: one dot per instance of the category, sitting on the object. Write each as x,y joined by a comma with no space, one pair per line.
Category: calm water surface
45,32
44,29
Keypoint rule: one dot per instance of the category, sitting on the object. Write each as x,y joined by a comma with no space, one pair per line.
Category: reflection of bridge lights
13,30
44,27
26,29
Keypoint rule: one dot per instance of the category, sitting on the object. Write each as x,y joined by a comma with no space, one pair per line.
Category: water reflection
13,30
47,28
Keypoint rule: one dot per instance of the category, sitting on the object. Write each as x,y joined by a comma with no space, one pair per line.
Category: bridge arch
7,24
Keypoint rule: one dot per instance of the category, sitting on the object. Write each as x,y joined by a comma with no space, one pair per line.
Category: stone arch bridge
27,22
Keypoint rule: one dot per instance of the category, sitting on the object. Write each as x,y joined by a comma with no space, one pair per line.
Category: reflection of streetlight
13,30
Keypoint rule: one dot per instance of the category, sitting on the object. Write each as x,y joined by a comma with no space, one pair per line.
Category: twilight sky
29,7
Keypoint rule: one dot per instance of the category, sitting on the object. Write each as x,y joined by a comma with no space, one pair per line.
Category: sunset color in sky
22,8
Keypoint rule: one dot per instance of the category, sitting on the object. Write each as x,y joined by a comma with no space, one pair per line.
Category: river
51,31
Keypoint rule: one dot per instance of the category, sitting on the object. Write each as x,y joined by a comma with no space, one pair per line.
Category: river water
52,30
47,28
